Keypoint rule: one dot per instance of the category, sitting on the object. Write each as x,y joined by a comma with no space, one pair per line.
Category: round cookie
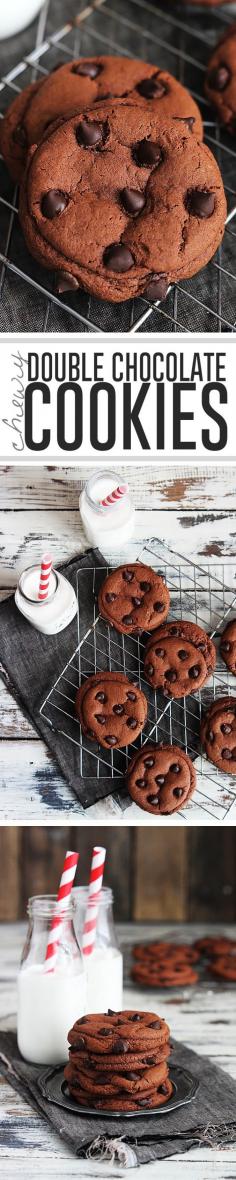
174,666
185,629
167,951
121,203
123,1103
133,598
225,967
119,1033
220,84
111,709
164,974
161,779
134,1082
218,734
127,1062
78,85
228,643
211,945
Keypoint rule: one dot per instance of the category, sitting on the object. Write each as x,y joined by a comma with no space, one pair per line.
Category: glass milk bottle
104,966
49,1002
109,526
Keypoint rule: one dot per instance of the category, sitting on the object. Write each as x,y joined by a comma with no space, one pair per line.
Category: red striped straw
95,886
61,906
45,571
114,496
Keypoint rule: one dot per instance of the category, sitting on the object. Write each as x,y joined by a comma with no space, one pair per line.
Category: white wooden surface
194,511
205,1021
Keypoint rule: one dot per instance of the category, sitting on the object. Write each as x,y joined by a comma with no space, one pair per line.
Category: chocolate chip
171,675
99,717
175,768
110,1012
194,672
225,646
131,696
137,601
143,1101
149,761
178,792
110,739
119,709
133,200
150,1061
175,631
140,782
156,288
135,1016
89,134
188,119
104,1032
127,619
226,728
80,1043
100,696
54,202
200,203
183,655
19,135
90,734
118,258
210,736
154,1024
149,669
88,69
163,1089
110,597
65,282
131,722
219,77
127,575
160,779
227,753
147,153
146,586
120,1046
160,652
151,87
159,607
132,1077
153,799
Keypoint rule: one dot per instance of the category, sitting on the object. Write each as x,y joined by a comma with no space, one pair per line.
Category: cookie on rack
218,733
112,710
224,967
121,202
161,779
214,945
220,85
113,1061
134,598
78,85
167,951
228,646
169,973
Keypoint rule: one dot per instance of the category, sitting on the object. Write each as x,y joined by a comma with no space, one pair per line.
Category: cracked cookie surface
121,203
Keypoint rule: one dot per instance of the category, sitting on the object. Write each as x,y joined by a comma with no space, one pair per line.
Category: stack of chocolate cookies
219,954
164,964
119,1061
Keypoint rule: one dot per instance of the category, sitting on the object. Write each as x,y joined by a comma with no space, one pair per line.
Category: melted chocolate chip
119,709
178,792
150,1061
159,607
149,669
175,768
104,1032
110,739
127,619
87,69
131,722
133,200
19,135
137,601
146,586
135,1017
171,675
153,799
65,282
154,1024
110,597
89,134
120,1046
160,779
140,782
101,696
151,87
194,672
99,717
149,761
148,154
54,202
225,646
118,258
226,728
200,203
156,288
127,575
160,652
80,1044
183,655
131,696
219,77
226,753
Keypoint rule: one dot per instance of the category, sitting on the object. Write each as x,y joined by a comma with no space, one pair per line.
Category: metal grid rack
196,594
179,39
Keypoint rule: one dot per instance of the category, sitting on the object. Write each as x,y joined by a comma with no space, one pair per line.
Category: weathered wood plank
152,486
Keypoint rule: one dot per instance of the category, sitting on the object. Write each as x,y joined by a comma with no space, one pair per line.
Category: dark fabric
32,662
136,31
210,1120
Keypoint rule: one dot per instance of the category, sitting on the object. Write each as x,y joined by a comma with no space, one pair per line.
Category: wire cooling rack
196,594
179,39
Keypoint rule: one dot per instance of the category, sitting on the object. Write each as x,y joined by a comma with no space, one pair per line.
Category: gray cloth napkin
209,1121
30,665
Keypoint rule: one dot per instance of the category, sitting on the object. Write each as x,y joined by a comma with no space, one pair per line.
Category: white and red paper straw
114,496
45,571
61,907
95,886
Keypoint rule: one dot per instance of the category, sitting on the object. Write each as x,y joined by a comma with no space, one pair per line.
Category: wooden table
193,509
205,1021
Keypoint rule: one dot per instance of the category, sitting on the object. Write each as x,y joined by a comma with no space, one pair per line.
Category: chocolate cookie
179,658
220,85
211,946
124,1063
164,974
122,203
134,598
119,1033
112,710
78,85
228,646
135,1082
166,951
218,734
121,1102
118,1061
161,779
224,967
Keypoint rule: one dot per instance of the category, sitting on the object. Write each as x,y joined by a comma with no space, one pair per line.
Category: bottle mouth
81,894
23,582
44,906
94,482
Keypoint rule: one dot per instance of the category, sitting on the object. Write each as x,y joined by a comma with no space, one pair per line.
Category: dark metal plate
53,1087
